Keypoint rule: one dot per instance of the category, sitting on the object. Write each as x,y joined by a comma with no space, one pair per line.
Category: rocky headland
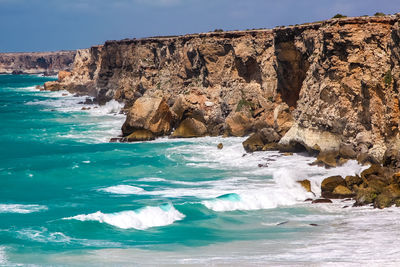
49,63
330,88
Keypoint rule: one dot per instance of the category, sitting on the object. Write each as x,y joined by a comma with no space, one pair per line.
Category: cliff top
387,19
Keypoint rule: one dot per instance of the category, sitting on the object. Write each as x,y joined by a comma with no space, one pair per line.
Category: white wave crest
19,208
122,189
140,219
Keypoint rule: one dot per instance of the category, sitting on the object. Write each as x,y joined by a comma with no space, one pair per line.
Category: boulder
190,128
365,196
139,135
391,158
347,151
329,184
327,159
62,74
352,181
238,123
51,86
259,140
321,200
341,191
220,146
148,113
254,143
306,185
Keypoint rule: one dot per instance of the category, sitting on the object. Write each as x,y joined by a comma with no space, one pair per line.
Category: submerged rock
321,200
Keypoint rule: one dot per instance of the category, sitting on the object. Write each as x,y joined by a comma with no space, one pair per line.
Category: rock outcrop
49,63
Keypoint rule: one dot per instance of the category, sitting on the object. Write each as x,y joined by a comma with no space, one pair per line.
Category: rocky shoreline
329,88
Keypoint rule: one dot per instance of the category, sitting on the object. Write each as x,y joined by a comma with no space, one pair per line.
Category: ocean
69,197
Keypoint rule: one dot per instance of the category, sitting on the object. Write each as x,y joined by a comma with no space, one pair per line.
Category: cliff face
319,85
33,63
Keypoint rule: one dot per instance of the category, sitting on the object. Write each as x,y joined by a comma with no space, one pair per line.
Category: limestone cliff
33,63
320,85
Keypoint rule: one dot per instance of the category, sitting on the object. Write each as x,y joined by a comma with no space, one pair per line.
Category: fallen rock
265,139
62,74
352,181
306,185
391,158
148,113
365,196
51,86
341,191
238,123
139,135
321,200
347,151
329,184
190,128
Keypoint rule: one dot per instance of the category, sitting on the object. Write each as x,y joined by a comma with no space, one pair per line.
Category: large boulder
190,128
391,158
261,140
239,123
52,86
329,184
148,113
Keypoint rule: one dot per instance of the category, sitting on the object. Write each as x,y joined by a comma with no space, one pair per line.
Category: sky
49,25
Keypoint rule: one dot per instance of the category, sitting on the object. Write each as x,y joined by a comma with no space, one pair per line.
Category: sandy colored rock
306,185
341,191
329,184
238,124
140,135
62,74
149,113
190,128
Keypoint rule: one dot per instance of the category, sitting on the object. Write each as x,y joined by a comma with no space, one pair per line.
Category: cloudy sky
44,25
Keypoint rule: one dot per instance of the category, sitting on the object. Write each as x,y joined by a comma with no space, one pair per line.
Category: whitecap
122,189
20,208
140,219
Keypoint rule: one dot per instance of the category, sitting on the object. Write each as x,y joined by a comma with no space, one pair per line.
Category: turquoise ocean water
68,197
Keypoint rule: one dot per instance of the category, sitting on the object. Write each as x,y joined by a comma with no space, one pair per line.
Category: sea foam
122,189
20,208
140,219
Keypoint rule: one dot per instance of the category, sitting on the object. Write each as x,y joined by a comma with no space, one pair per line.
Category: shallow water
68,197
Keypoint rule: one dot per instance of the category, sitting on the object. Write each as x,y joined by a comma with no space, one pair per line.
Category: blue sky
47,25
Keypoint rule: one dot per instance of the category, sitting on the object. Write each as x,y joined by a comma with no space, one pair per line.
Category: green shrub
339,16
379,14
243,103
388,78
218,30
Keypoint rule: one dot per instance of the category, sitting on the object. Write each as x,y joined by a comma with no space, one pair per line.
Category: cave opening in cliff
291,68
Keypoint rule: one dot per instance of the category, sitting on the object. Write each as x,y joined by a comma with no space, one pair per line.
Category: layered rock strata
34,63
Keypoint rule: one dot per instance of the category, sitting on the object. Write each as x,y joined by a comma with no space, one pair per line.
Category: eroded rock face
319,85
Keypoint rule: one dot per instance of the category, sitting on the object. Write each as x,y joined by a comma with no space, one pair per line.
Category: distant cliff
33,63
318,85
